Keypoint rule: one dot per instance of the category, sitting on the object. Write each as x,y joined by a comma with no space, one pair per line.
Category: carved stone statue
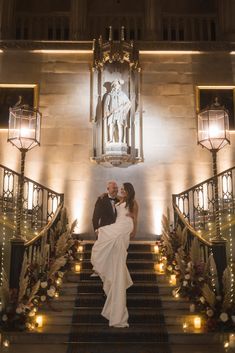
116,108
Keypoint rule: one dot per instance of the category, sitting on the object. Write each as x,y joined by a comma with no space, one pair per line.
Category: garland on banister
41,280
198,281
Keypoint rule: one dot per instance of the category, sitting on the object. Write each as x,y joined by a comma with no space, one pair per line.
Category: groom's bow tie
112,199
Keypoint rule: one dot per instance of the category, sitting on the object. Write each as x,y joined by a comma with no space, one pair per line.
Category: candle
156,249
197,322
80,248
59,281
232,340
159,267
77,267
173,280
192,308
185,325
6,343
39,320
56,295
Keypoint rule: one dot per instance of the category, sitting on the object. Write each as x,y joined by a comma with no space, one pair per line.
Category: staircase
156,317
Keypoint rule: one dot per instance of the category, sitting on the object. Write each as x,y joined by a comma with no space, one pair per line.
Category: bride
109,255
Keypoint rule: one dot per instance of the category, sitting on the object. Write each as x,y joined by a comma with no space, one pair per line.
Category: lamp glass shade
24,127
213,127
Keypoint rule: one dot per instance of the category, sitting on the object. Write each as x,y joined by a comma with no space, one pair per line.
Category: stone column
225,11
153,19
78,19
1,18
7,19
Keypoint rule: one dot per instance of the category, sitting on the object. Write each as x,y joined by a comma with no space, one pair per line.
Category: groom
105,211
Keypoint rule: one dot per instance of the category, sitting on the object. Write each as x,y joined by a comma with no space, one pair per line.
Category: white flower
177,267
200,279
210,312
224,317
185,283
28,325
51,292
189,264
60,274
19,310
4,317
202,300
44,284
187,276
169,268
43,298
32,313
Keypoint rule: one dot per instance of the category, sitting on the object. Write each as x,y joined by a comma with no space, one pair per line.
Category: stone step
132,265
114,347
103,333
137,247
99,333
131,255
133,300
96,287
84,275
136,316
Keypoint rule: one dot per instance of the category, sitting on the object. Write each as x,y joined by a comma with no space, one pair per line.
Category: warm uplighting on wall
170,52
61,51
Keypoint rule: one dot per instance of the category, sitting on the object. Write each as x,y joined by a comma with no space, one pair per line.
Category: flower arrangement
197,281
39,280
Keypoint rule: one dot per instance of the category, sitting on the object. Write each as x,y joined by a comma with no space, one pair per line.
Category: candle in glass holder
185,325
173,280
80,248
156,249
197,322
192,308
6,343
39,320
77,267
159,267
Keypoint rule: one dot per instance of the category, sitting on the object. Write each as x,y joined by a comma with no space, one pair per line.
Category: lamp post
24,133
213,133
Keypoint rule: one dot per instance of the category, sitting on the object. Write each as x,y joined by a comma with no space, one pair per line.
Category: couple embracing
114,221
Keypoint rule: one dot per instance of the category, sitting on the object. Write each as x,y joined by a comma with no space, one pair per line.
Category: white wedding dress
108,258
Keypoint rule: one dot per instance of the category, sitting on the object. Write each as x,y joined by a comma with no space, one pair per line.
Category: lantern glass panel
24,127
213,128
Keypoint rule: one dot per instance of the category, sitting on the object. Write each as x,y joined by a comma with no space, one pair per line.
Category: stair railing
194,209
41,211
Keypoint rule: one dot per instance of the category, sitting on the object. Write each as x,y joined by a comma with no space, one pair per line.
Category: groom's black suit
103,212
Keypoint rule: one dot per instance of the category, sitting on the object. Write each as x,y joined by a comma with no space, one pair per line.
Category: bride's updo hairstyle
128,187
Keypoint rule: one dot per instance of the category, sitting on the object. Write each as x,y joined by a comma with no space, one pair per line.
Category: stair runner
147,333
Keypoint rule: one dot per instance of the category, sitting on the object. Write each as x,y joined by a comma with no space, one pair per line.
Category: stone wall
172,159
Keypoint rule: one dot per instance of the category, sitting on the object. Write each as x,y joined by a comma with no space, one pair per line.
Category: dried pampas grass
195,252
24,279
34,291
209,295
56,266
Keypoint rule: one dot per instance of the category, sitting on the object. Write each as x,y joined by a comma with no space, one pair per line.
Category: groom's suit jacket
103,212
